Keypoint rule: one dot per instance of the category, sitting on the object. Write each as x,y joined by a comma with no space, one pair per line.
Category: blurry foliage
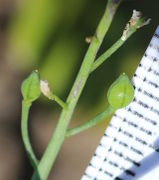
33,25
60,63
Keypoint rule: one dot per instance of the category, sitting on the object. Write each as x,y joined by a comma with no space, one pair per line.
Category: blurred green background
50,36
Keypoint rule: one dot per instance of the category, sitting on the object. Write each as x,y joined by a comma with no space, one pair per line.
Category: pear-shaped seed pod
121,92
31,87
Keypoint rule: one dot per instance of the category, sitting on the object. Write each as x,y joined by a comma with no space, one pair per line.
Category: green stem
88,124
111,50
58,137
25,135
58,100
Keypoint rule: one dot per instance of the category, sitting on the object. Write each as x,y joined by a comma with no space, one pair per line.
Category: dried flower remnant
144,23
135,17
135,21
44,87
88,39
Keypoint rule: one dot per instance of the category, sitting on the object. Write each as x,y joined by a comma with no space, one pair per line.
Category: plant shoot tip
136,21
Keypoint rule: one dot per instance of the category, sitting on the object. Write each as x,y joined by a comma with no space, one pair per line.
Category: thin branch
134,23
88,124
45,89
25,135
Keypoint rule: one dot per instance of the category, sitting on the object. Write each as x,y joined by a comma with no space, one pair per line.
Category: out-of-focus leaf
29,30
60,64
32,27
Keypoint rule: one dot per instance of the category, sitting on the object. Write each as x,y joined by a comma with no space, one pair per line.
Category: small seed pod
31,87
121,92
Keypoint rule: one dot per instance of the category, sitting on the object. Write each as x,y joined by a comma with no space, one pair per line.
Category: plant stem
58,137
58,100
108,53
134,23
114,47
25,135
45,89
88,124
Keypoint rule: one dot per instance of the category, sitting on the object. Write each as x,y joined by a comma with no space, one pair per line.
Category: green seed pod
31,87
121,92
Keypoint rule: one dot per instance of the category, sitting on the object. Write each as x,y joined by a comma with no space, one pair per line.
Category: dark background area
50,36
